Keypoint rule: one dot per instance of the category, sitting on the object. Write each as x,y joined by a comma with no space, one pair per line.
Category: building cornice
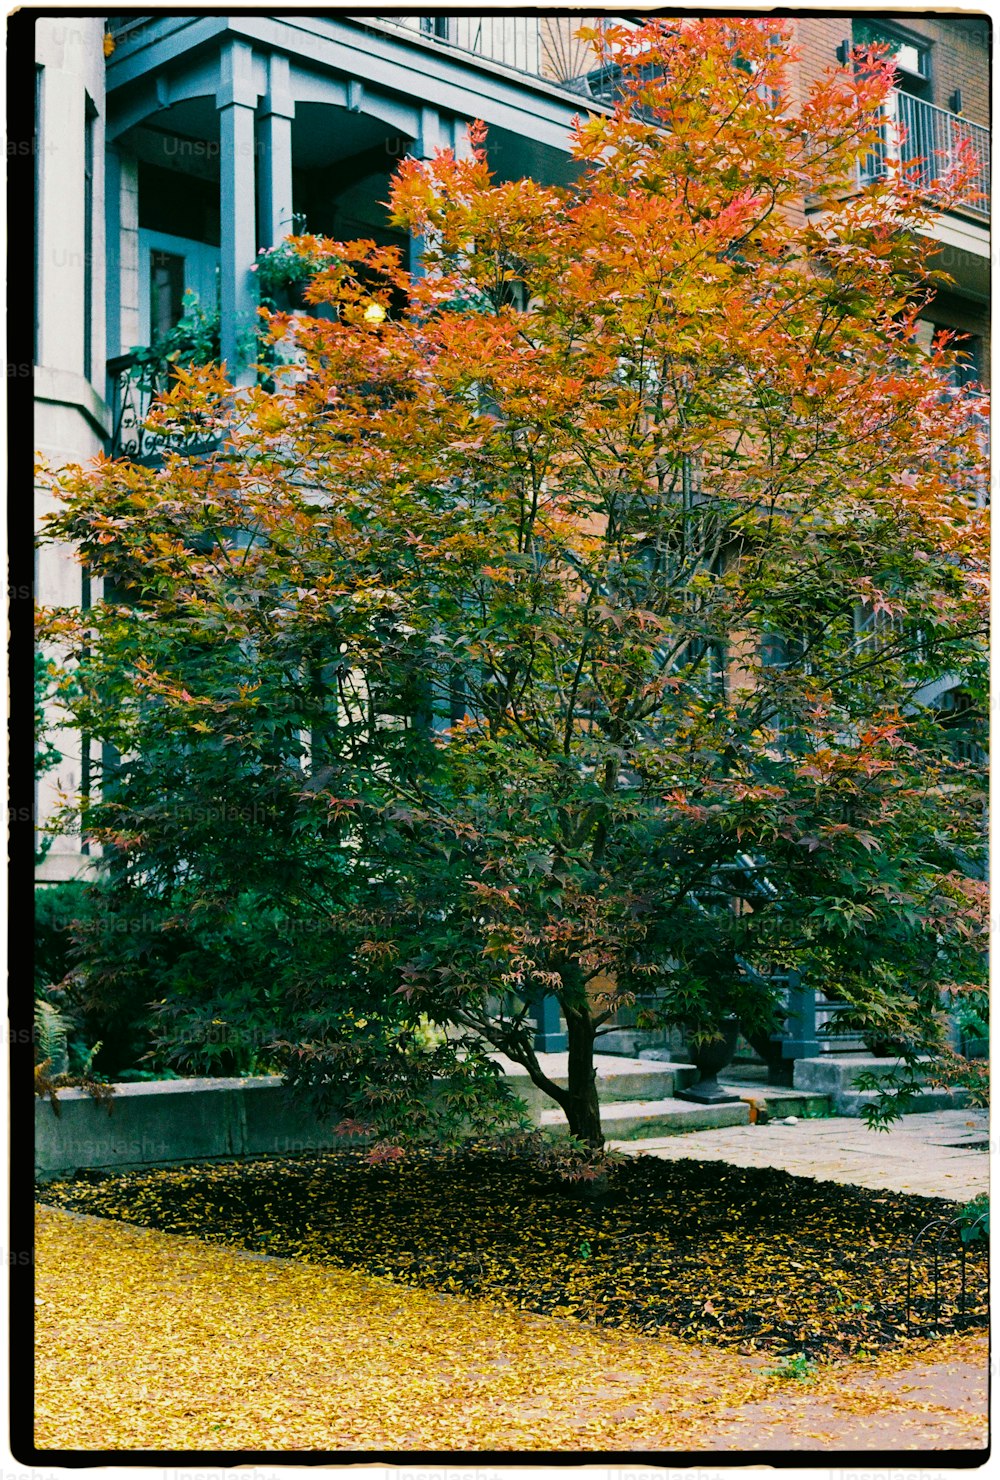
58,387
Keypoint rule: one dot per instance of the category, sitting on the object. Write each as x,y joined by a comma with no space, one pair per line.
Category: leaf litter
752,1258
154,1341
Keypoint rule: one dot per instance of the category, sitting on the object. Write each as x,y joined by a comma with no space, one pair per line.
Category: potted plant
284,271
194,340
710,1048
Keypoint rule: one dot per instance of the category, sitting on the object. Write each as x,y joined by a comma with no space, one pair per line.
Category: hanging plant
283,271
196,339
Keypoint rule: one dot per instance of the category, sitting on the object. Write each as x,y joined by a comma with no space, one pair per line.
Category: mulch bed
750,1257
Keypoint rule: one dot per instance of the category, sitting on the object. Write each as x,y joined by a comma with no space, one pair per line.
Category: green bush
57,908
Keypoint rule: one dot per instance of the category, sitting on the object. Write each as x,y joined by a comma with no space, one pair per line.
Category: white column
128,246
429,140
236,101
276,116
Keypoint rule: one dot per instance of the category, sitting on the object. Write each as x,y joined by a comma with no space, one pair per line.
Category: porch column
112,251
277,112
236,100
429,140
461,147
550,1031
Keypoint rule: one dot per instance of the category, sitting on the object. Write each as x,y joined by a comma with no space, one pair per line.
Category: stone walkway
942,1153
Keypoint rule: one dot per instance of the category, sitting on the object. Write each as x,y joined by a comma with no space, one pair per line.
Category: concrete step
618,1079
836,1075
634,1120
774,1103
853,1102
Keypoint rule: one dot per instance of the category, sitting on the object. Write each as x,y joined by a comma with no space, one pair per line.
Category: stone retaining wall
174,1120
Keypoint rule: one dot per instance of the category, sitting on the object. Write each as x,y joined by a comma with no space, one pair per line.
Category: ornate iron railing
133,385
929,139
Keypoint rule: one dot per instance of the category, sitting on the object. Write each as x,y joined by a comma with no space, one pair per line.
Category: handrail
927,138
133,385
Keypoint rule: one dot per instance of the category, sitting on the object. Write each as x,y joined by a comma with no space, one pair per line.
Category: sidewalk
942,1153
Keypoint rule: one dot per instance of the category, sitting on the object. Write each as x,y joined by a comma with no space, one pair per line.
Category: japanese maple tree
573,631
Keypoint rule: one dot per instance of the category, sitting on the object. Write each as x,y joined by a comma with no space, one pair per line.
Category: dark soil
752,1257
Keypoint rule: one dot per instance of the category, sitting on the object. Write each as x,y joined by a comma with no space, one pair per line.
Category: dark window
182,205
912,54
967,348
38,208
166,293
968,368
89,124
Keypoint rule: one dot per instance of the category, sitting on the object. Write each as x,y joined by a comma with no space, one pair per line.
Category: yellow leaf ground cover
746,1257
152,1341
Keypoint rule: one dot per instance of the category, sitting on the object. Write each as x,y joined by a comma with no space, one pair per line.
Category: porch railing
929,140
544,47
133,386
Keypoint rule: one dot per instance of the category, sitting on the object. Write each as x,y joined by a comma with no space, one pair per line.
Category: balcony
545,48
929,137
133,385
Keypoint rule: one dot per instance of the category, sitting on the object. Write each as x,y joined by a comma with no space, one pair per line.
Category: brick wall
960,56
959,59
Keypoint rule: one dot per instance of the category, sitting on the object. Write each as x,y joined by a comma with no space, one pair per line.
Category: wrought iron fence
939,1253
133,385
930,140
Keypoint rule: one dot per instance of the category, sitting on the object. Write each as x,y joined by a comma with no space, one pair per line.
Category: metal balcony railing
543,47
133,385
928,139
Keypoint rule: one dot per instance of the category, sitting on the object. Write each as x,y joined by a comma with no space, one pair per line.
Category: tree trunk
582,1107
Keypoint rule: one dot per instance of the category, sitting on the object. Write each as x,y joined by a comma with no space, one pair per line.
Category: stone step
634,1120
852,1102
835,1075
618,1079
775,1103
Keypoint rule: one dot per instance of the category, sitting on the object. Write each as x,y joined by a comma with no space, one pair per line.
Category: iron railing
544,47
133,385
929,141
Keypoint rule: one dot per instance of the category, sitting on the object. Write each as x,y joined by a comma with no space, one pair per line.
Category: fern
50,1036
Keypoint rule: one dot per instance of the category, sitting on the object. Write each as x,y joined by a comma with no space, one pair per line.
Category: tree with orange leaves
574,632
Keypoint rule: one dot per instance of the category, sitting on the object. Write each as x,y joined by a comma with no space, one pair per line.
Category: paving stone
907,1158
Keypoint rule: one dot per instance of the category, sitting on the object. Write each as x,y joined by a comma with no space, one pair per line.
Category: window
435,25
873,630
912,54
89,125
963,722
968,368
166,293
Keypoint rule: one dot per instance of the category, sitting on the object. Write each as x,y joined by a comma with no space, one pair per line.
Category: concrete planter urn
709,1059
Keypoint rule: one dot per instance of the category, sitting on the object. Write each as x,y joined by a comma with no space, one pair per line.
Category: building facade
171,149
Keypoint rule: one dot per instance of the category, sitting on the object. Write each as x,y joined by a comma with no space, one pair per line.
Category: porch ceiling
330,50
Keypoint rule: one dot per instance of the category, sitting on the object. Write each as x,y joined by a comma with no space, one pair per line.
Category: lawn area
152,1341
751,1258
